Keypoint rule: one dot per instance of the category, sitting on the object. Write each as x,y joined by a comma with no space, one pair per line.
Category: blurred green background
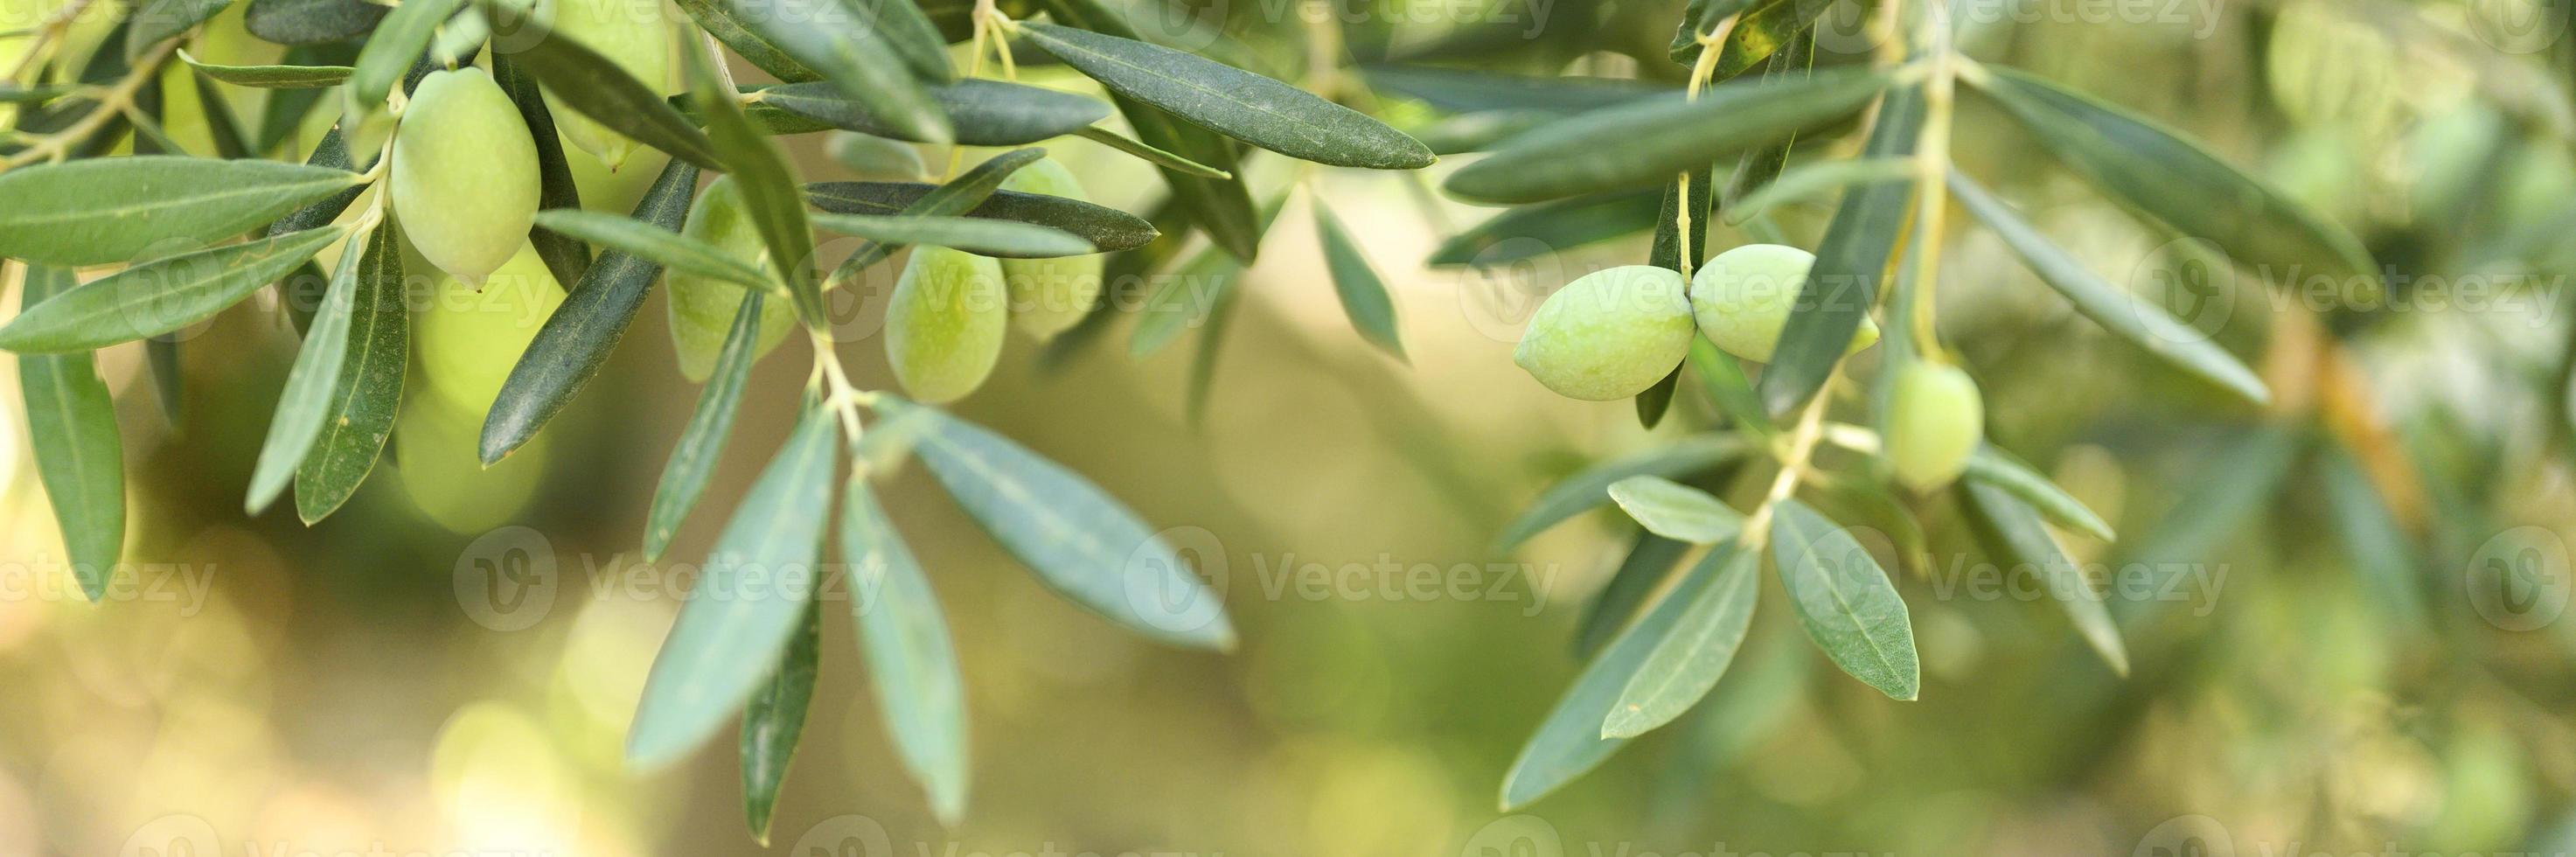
2341,677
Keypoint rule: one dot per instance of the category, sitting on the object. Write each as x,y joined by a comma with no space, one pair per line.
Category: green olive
1742,299
469,336
945,323
629,33
702,307
1050,295
1609,334
464,173
1935,419
874,157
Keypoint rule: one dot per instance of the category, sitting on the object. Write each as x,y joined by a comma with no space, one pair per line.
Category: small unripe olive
702,308
631,34
945,323
1935,419
1050,295
1609,334
470,335
1742,298
874,157
464,173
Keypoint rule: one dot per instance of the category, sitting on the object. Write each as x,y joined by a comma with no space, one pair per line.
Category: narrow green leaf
305,22
391,48
1080,541
911,663
1233,102
769,190
1363,295
2174,180
1158,157
748,600
286,109
1816,179
2012,532
1723,377
846,42
272,76
71,423
980,112
1845,600
578,337
566,258
1658,399
1533,231
368,392
1589,489
2116,309
1851,261
717,19
660,246
1646,141
1107,229
1991,465
1689,660
1676,511
331,152
1222,208
596,87
1570,742
958,196
985,236
157,20
306,402
1795,58
159,297
774,720
169,378
1649,559
910,34
2389,565
693,459
102,210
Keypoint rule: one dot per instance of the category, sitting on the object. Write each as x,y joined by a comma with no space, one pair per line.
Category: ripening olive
1609,334
1050,295
629,33
1742,299
702,308
464,173
1935,419
469,336
945,323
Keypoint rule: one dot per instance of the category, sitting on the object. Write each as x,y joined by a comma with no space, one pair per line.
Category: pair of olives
1613,334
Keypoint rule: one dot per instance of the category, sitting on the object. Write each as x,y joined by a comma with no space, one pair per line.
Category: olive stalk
46,34
1932,167
111,104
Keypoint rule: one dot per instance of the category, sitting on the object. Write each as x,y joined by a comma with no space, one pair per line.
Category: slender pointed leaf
1531,231
1107,229
981,112
1993,466
595,86
103,210
1649,559
304,22
306,402
846,43
1845,600
71,423
911,663
157,20
392,48
1816,179
1851,260
1676,511
748,602
1222,208
774,720
368,392
159,297
693,459
1642,142
1158,157
1687,663
777,209
958,196
661,246
1589,489
2013,533
983,236
566,258
717,19
272,76
1363,295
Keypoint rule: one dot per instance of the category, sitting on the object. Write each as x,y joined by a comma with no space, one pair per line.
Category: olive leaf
1762,28
957,197
983,236
717,19
1723,378
1687,662
847,43
2174,180
157,20
570,347
596,87
1850,262
1080,541
1532,231
306,402
774,719
1233,102
71,423
1363,294
693,459
1816,179
2377,545
1106,229
369,385
271,76
1650,557
286,109
159,297
566,258
1845,600
1465,91
980,112
1651,140
748,603
1657,400
1993,466
304,22
769,192
103,210
1222,208
2116,309
1570,742
2012,532
663,247
1675,511
911,663
1588,489
1158,157
392,47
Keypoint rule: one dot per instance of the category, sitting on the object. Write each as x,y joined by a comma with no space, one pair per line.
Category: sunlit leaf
773,721
103,210
306,402
1845,600
702,442
71,423
1993,466
1647,141
661,246
2012,532
272,76
911,663
980,112
1363,294
594,86
843,42
368,392
1689,660
1676,511
159,297
1851,260
1649,559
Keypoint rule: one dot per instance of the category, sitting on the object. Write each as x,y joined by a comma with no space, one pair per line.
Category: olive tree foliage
432,95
